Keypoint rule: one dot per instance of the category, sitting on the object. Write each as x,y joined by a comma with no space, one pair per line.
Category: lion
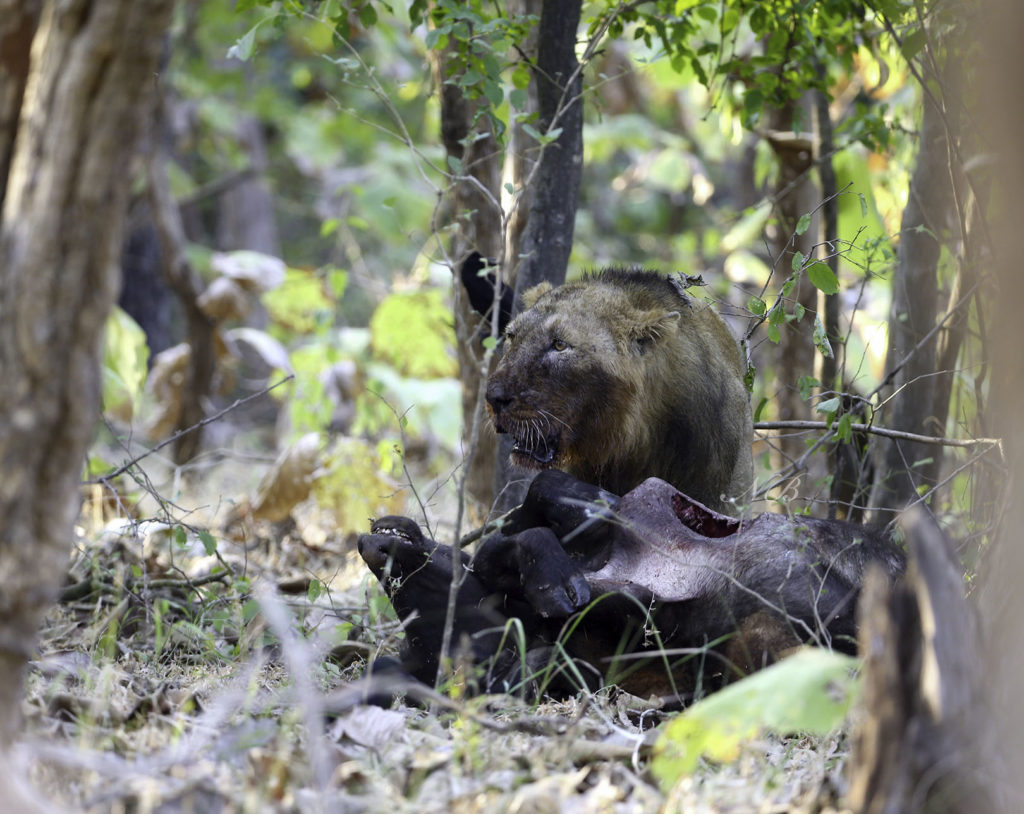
621,376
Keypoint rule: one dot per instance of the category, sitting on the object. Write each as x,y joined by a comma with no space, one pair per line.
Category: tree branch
884,432
208,420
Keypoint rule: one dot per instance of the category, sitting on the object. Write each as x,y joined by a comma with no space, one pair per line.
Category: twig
217,186
887,433
170,440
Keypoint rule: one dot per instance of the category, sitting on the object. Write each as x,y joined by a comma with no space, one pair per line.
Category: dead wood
919,746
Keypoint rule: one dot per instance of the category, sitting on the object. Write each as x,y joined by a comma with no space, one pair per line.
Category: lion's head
618,377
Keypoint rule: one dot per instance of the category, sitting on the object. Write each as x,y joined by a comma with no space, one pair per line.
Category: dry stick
887,433
170,440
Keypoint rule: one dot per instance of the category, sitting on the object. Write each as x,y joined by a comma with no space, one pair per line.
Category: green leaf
803,224
756,306
244,47
912,44
798,260
809,692
125,357
521,76
315,590
490,342
437,38
753,101
773,333
843,428
831,405
368,15
299,304
180,536
413,332
863,205
494,92
822,278
806,385
820,338
208,541
455,164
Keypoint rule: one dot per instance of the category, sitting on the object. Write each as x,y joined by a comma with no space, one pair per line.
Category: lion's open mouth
535,448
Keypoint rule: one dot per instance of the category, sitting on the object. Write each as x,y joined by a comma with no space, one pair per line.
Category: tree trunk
1001,600
474,206
93,65
18,20
188,287
520,158
910,360
796,195
920,745
546,240
245,211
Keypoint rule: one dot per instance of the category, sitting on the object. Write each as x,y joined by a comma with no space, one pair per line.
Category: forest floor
210,668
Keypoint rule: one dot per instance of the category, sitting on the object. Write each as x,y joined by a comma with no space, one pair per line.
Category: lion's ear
650,326
531,295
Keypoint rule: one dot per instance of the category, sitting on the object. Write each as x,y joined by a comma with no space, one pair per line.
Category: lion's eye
510,336
559,345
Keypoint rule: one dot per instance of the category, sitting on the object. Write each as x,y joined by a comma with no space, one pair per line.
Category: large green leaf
809,692
413,332
125,357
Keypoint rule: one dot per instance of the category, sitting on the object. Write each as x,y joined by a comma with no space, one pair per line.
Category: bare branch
208,420
884,432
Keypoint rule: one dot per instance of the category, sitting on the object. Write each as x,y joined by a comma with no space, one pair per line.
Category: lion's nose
497,397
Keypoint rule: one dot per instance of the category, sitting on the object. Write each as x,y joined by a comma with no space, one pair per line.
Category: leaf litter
155,690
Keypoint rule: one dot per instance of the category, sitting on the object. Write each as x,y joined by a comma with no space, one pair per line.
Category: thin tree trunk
187,286
546,240
796,195
471,141
93,65
910,361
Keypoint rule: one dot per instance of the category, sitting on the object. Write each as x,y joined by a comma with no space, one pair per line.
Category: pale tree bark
521,155
92,69
1001,599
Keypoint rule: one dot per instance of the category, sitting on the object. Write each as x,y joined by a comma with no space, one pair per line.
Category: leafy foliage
125,355
413,332
811,692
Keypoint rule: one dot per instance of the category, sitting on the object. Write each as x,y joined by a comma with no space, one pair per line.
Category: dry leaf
166,384
253,271
272,352
369,726
289,481
224,299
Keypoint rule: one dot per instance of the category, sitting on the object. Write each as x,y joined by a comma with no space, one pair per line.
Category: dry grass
151,694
